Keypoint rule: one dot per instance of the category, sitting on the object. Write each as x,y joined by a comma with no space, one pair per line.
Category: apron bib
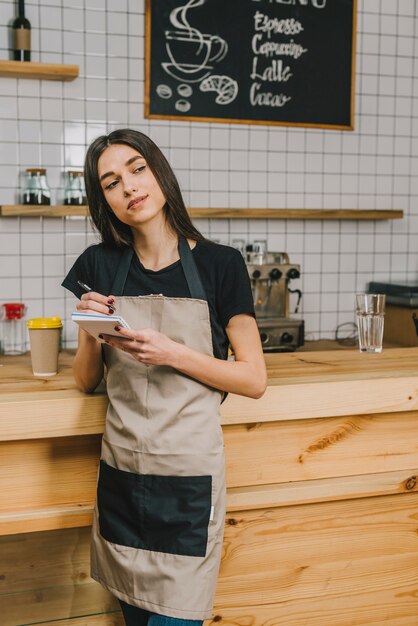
159,516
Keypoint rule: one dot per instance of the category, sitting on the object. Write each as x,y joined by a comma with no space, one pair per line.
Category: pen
87,288
84,286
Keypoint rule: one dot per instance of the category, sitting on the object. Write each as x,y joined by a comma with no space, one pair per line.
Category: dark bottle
21,34
36,191
75,192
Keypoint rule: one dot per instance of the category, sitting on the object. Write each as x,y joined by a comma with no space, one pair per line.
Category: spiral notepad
97,324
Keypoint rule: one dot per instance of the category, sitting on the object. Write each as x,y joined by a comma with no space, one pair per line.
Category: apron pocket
177,511
160,513
120,506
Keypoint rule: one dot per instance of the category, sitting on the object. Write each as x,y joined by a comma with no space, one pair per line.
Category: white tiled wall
49,124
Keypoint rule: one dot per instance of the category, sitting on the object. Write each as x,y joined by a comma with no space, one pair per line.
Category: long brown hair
112,230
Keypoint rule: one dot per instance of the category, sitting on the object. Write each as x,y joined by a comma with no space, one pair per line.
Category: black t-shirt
222,271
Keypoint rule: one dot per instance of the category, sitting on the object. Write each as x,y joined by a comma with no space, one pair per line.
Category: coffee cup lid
45,322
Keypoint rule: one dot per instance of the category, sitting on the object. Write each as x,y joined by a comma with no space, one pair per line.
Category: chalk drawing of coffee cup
192,54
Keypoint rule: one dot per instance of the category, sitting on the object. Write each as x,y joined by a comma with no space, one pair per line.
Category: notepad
97,324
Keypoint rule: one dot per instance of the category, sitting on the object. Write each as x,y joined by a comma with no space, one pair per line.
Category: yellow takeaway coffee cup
44,337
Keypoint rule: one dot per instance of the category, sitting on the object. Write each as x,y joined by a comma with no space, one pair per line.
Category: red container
12,328
13,310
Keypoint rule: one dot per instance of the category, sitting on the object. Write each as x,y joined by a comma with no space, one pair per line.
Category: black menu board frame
296,66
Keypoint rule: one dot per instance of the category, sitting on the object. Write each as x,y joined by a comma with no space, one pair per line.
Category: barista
159,518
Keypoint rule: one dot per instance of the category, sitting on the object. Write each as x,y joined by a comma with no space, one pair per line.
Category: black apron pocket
120,506
177,512
160,513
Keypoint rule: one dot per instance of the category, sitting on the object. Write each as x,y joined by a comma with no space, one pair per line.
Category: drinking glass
370,310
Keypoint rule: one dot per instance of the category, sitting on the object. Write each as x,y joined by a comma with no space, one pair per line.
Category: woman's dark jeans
134,616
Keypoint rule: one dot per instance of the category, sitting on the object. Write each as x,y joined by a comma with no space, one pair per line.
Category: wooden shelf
16,210
29,210
298,214
49,518
41,71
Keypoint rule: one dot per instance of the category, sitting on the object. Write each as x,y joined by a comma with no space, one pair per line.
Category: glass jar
256,252
239,244
75,192
13,329
36,190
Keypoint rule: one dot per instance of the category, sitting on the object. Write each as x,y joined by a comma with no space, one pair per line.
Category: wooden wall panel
322,564
45,576
274,452
358,395
36,474
303,541
381,608
43,604
55,558
63,470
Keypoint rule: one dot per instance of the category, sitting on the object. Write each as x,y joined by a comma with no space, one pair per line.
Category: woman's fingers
96,303
131,346
146,345
139,335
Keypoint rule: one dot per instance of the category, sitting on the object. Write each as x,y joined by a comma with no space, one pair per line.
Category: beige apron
159,518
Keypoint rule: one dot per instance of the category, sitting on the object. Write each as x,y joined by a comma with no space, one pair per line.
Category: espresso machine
270,274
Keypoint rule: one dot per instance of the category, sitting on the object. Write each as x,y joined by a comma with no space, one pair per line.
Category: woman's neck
156,248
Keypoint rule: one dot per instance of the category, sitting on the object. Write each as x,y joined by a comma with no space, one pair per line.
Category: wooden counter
322,516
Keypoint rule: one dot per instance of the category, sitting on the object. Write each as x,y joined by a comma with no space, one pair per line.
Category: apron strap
188,264
190,271
194,283
119,281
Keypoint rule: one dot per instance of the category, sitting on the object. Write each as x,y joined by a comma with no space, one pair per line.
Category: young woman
158,523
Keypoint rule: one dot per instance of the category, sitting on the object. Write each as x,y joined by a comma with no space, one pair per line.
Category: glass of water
370,310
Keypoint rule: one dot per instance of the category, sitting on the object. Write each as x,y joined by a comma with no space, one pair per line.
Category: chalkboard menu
288,62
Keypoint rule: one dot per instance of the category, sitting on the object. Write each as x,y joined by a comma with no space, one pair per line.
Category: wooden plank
299,367
42,71
270,583
10,210
61,414
283,538
43,604
378,608
62,558
320,550
276,452
46,576
34,210
45,473
313,400
322,490
50,518
298,214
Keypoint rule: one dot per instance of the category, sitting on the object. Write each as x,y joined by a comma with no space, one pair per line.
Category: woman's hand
147,346
246,375
93,302
87,365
